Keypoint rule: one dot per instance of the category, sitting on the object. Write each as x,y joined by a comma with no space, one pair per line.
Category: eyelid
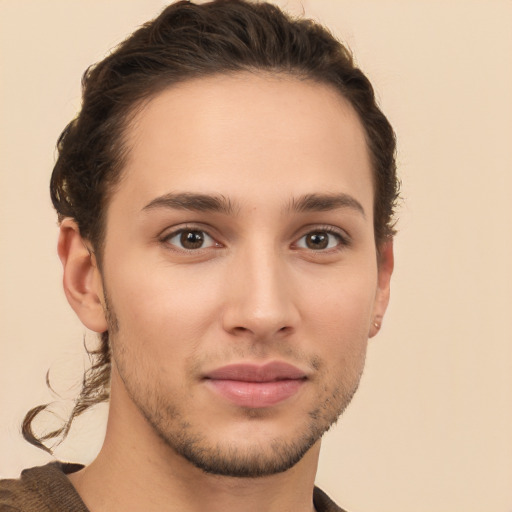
343,237
169,233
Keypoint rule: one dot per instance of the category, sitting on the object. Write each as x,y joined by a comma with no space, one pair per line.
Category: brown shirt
42,489
47,489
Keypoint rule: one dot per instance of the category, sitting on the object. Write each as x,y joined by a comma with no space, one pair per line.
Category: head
230,49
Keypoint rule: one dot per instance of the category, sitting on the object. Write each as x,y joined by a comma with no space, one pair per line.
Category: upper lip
247,372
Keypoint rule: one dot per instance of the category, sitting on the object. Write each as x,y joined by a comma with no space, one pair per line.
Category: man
225,199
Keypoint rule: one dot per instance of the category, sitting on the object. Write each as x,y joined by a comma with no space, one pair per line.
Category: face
240,270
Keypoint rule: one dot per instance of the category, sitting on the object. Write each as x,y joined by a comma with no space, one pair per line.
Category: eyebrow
191,201
325,202
221,204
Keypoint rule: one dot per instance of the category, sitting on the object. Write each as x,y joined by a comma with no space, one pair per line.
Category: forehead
244,134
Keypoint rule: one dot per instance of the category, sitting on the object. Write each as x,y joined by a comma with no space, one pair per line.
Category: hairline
132,113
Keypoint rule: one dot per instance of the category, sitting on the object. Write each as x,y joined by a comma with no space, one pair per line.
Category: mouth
256,386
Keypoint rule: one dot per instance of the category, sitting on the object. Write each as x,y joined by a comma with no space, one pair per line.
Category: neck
136,470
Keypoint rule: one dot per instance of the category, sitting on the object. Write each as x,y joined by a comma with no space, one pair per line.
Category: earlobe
385,264
82,279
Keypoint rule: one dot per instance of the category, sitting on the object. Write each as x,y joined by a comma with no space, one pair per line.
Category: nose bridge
261,301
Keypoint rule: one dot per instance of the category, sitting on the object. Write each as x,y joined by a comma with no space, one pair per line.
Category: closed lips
269,372
256,386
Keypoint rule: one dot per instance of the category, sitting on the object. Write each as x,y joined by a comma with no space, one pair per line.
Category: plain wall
431,426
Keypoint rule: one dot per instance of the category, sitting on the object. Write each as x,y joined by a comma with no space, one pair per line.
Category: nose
261,302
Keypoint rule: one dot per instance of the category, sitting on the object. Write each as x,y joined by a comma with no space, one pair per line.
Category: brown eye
320,240
190,239
317,240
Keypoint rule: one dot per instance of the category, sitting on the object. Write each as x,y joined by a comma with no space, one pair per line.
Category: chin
243,459
251,450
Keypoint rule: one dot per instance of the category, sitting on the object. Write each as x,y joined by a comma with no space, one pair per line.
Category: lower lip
256,395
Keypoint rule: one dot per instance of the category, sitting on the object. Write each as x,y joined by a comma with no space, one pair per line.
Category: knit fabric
47,489
42,489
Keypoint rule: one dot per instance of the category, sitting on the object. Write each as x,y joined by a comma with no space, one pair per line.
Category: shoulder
323,503
41,489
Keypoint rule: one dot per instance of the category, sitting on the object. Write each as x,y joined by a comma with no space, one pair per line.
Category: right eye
320,240
190,239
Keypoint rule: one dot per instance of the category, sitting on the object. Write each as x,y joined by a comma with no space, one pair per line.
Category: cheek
342,299
159,304
339,314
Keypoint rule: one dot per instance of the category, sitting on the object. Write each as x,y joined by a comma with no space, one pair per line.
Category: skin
263,287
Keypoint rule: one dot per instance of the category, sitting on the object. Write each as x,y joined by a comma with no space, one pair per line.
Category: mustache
256,352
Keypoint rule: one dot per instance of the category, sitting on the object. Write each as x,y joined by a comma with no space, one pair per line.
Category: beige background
431,427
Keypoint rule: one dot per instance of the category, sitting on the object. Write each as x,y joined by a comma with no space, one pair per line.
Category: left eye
319,240
191,239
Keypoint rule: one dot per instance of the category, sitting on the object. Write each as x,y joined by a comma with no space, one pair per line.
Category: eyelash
188,229
343,240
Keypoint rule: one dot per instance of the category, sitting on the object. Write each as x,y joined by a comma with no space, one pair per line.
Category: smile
254,386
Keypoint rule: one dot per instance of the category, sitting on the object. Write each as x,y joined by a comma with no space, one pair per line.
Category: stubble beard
229,457
225,457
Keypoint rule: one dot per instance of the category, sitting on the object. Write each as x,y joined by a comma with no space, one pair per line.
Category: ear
385,262
82,279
